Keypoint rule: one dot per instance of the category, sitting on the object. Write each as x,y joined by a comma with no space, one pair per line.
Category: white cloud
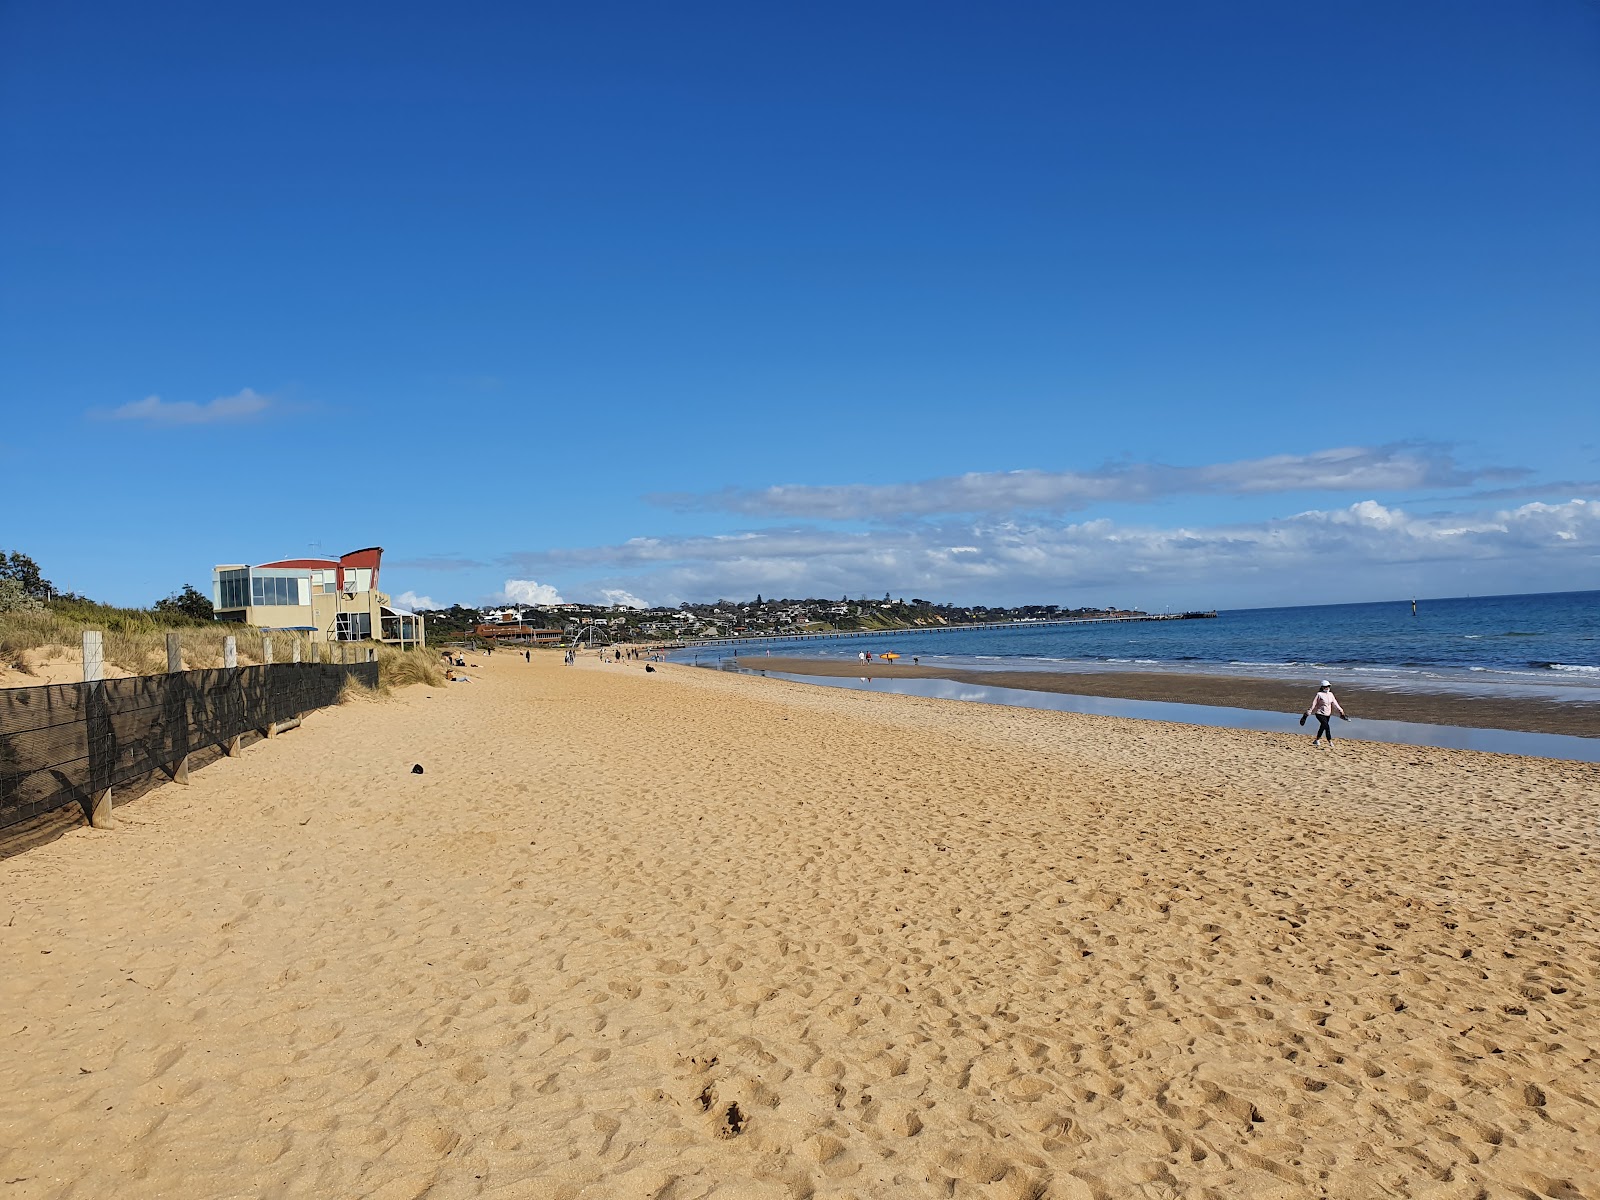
156,411
1397,467
1364,550
527,591
414,602
623,597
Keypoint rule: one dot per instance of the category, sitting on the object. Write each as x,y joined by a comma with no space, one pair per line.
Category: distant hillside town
728,618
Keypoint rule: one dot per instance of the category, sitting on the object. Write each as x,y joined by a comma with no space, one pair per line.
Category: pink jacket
1324,705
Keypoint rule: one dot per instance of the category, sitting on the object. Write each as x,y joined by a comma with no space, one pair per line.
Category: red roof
302,562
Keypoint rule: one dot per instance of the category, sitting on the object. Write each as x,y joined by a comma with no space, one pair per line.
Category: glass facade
233,588
268,589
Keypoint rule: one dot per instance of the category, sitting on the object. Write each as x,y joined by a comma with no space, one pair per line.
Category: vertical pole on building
97,717
230,661
266,658
178,709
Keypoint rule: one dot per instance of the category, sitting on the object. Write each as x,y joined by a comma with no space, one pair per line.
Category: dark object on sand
416,768
649,668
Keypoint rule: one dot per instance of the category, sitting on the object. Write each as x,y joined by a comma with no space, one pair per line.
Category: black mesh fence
62,742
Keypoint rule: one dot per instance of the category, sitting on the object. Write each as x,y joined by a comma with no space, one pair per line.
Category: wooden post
100,735
297,650
178,711
372,655
230,661
271,730
316,652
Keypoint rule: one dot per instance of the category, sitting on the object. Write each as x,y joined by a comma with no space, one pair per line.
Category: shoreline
1515,713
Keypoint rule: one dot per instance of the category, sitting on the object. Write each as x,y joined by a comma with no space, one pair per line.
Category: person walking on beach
1323,706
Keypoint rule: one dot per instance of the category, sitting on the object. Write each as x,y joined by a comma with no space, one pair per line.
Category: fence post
97,728
294,721
178,709
316,652
230,661
271,730
372,655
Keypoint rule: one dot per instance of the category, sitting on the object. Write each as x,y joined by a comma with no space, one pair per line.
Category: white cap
1325,683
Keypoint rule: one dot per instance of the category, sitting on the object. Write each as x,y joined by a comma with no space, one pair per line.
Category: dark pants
1322,728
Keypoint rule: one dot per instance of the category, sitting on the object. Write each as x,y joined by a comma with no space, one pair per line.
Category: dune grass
136,642
401,668
135,639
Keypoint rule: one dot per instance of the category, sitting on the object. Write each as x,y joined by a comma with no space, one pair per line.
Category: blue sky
1223,304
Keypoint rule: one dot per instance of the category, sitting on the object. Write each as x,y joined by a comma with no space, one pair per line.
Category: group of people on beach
1324,705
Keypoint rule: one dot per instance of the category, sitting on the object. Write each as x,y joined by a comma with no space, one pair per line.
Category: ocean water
1544,645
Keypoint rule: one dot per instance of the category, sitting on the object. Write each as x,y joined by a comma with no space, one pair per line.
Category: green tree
187,603
22,570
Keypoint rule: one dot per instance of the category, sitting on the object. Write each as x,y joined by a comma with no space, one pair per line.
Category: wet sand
695,935
1229,691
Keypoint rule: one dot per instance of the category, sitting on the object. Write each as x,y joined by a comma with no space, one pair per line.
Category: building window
233,588
277,590
352,627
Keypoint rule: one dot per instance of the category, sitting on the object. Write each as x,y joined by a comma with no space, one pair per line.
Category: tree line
24,588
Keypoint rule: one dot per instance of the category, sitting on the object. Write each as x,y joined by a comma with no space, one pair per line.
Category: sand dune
690,935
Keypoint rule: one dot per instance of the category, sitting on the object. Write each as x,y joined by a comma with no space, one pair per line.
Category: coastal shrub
14,598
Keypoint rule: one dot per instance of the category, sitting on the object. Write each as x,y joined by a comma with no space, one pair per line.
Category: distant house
329,600
512,615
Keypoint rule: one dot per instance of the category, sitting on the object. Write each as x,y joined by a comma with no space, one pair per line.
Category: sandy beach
696,934
1484,711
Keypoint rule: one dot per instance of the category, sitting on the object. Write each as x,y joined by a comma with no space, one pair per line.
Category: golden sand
689,934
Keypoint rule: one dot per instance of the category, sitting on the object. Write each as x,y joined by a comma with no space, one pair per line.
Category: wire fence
67,742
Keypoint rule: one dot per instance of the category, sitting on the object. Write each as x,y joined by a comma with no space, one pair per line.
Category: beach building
519,632
329,599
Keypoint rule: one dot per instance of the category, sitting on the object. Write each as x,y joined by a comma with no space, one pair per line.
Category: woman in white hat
1323,706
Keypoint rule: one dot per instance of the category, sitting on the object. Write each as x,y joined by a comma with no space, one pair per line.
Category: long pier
841,634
